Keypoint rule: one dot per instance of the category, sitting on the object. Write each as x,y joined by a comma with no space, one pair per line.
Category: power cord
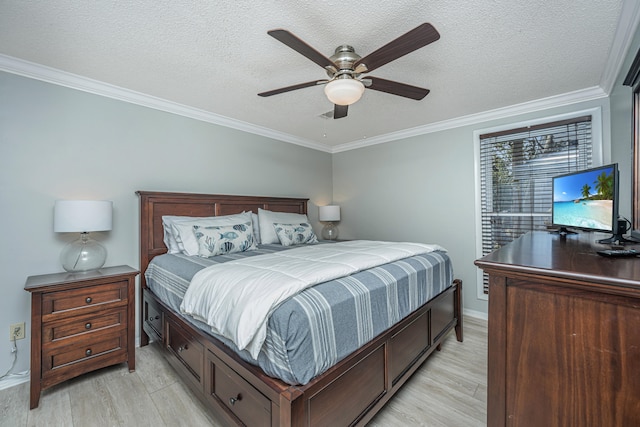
14,350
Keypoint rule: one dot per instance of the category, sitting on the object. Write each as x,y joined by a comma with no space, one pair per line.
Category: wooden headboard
153,205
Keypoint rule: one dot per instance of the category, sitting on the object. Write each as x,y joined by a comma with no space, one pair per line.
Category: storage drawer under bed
442,314
408,344
188,353
246,403
152,315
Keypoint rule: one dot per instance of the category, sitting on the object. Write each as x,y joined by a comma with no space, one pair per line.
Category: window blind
516,167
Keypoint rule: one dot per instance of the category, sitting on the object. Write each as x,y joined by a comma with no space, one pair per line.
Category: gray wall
423,189
59,143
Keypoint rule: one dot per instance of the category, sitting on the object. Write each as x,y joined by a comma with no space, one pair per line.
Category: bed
236,388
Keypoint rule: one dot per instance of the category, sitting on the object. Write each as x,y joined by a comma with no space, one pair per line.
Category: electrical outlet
16,330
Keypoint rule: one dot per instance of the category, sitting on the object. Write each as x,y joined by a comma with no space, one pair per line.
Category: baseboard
14,379
477,314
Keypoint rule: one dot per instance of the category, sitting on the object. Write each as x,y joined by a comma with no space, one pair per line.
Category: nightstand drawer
57,331
87,298
102,345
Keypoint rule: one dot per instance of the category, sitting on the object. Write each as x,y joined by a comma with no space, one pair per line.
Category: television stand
563,231
571,314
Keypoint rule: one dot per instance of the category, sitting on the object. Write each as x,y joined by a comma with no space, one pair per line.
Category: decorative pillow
224,239
295,234
185,237
268,218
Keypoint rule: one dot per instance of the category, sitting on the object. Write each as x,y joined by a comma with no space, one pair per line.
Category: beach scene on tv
584,200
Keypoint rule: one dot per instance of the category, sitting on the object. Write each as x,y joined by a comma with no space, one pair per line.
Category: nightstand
80,322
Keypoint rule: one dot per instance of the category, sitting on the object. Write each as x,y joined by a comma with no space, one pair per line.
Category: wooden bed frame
350,393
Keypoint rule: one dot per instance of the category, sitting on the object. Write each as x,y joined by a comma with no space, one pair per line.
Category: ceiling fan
345,68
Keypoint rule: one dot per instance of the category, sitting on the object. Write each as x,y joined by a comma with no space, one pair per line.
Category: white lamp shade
344,91
82,216
329,213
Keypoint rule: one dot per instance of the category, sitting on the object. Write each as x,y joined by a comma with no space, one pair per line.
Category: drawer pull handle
88,300
87,326
233,400
88,352
183,348
151,319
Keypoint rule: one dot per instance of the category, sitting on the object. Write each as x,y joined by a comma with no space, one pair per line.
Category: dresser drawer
103,350
72,301
83,326
240,397
187,350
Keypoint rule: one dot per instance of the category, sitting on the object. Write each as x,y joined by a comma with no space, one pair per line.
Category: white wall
423,188
59,143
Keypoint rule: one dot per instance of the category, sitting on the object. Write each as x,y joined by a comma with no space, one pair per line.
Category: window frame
598,158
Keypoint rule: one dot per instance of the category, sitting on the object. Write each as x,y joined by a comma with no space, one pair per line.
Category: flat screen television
588,200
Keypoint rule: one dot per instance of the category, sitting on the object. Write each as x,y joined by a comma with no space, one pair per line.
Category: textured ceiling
216,56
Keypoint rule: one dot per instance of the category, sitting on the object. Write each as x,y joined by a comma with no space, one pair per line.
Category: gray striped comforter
315,329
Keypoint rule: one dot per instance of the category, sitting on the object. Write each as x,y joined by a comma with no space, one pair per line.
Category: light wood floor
450,389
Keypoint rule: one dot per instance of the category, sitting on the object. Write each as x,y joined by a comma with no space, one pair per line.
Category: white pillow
186,238
224,239
256,227
295,234
169,239
268,218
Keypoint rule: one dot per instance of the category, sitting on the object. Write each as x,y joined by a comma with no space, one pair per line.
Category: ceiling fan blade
396,88
419,37
301,47
293,87
340,111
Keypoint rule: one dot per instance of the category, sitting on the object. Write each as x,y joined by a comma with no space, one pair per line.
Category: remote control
619,252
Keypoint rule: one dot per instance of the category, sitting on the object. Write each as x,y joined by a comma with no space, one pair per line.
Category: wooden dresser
564,333
80,322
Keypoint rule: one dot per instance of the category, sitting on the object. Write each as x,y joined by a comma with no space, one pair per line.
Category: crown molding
569,98
625,32
62,78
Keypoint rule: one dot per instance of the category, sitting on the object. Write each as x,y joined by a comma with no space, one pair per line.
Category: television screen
586,199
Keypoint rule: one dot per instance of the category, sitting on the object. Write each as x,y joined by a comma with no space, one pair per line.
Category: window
515,171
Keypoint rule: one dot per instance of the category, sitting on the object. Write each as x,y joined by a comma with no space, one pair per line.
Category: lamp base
330,231
83,254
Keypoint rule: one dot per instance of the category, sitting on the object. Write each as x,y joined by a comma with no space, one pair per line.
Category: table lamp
329,214
82,216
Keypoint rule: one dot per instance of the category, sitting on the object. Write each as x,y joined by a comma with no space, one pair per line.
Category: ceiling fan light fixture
344,91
